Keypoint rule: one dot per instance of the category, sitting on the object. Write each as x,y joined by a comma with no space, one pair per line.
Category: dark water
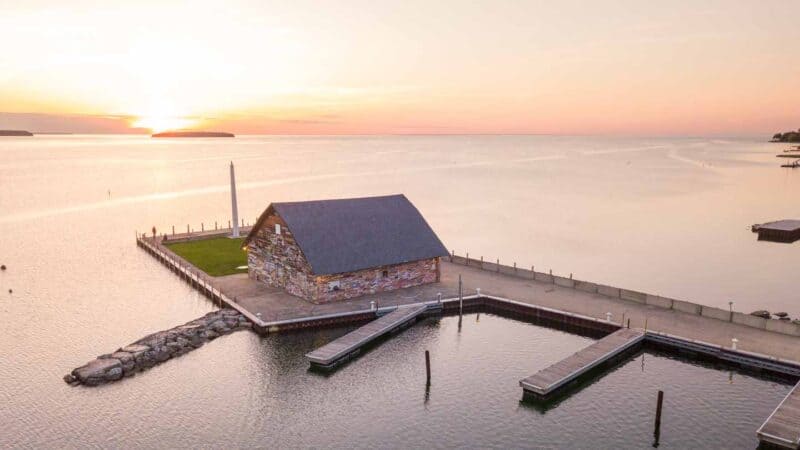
668,216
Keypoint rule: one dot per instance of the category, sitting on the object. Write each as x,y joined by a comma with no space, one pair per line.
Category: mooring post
428,367
173,230
733,343
202,226
629,322
478,290
657,432
460,299
439,298
608,316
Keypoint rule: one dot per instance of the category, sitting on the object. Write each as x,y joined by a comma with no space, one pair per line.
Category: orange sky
353,67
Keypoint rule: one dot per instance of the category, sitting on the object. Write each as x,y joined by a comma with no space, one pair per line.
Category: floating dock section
782,427
334,353
547,381
779,231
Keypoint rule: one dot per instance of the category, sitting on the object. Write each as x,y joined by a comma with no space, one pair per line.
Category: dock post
460,298
629,322
478,290
608,316
733,343
657,432
428,367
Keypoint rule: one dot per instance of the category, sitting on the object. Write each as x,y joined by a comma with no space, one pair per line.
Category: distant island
788,136
15,133
193,134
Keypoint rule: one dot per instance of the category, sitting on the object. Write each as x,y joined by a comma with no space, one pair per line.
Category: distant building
329,250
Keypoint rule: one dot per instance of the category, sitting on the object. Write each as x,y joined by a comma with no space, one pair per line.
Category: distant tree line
788,136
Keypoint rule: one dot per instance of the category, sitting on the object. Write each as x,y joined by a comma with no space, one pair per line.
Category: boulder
197,340
761,313
782,314
135,349
174,348
70,379
210,334
99,371
162,354
220,327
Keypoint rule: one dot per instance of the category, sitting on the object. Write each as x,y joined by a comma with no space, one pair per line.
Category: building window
385,274
334,285
277,228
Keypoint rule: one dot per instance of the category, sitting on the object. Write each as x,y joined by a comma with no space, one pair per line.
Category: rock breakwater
157,348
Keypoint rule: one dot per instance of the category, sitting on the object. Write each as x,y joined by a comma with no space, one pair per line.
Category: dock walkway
333,353
547,381
782,427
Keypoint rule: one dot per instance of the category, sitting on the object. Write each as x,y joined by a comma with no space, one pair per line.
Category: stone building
329,250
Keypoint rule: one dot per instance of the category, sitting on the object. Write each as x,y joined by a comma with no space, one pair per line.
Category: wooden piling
428,367
657,431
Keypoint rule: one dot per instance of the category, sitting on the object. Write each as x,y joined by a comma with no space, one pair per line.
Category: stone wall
277,260
380,279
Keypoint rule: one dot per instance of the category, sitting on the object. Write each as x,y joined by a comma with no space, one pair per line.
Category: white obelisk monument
234,208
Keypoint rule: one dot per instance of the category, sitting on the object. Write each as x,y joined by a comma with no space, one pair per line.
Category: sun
157,124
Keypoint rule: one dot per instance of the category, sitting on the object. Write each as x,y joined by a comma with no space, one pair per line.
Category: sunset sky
373,67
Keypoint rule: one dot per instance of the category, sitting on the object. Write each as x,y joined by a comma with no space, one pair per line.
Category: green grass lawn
216,257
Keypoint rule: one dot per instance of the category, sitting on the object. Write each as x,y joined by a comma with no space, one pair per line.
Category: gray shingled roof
346,235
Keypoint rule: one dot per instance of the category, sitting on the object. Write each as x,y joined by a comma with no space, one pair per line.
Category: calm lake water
666,216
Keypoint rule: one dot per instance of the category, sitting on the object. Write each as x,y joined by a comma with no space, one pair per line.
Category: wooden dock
545,382
782,427
334,353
